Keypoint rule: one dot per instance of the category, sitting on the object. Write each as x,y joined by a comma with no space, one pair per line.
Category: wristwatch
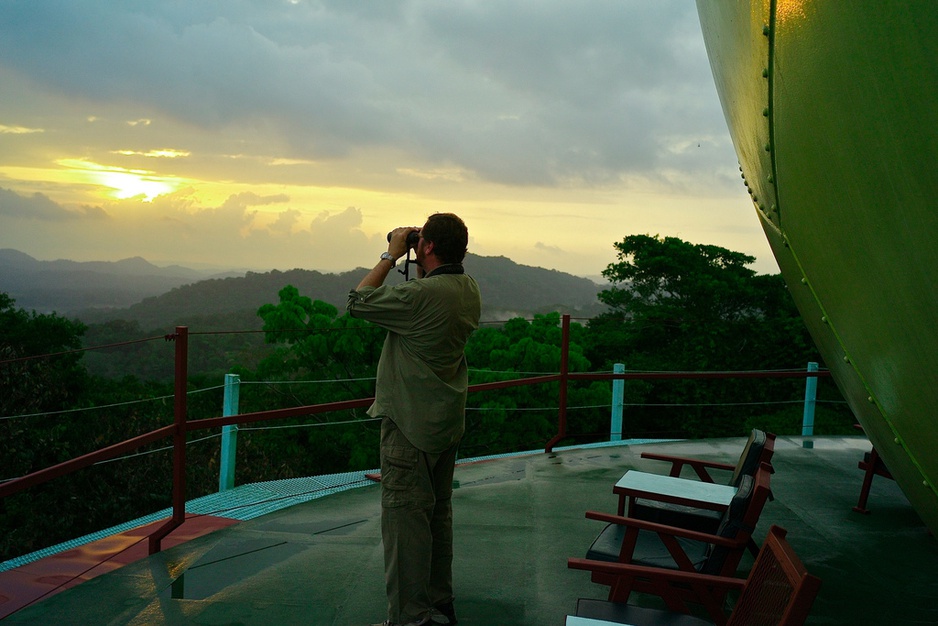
387,257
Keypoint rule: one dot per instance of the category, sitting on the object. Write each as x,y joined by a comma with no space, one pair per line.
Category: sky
280,134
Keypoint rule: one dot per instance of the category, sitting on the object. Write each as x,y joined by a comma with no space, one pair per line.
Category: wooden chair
759,449
657,546
778,591
872,465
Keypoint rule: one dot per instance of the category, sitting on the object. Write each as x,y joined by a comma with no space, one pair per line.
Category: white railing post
810,400
229,434
618,398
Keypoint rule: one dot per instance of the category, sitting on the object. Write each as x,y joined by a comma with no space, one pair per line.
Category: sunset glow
122,184
280,135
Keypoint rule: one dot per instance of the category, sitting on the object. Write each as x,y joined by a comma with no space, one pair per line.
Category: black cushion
731,524
750,458
692,518
649,550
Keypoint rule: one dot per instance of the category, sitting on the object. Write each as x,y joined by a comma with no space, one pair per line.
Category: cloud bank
282,133
516,91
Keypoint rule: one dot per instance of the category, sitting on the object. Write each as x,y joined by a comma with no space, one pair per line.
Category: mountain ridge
134,289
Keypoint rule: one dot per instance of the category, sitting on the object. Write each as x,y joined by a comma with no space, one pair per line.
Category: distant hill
67,287
511,290
161,298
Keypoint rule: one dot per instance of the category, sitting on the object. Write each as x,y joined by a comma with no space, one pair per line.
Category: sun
132,185
123,183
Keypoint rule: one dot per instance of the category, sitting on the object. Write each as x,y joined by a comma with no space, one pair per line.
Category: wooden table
635,484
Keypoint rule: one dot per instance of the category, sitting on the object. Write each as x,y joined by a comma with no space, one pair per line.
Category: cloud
286,222
18,130
538,121
39,207
241,232
163,153
543,247
515,92
335,235
248,199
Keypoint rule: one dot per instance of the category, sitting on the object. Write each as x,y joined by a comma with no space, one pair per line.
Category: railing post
810,400
618,399
180,409
229,434
564,375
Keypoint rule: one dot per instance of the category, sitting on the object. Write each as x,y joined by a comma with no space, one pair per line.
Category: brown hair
449,235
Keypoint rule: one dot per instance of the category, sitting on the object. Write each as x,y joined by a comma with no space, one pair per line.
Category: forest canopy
670,306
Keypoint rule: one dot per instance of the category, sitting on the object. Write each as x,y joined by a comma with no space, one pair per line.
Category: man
421,398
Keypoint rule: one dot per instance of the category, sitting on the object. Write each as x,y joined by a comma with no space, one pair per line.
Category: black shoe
444,614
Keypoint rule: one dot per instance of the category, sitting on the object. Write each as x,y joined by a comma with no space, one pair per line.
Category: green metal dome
833,110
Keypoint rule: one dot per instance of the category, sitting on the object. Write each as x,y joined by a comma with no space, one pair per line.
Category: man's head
449,237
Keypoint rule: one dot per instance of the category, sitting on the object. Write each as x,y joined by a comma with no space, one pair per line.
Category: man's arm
397,247
377,276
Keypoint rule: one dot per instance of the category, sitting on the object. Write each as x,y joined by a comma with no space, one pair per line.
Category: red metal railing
181,426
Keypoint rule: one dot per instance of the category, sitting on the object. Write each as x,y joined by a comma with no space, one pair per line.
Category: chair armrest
676,588
698,465
661,529
664,575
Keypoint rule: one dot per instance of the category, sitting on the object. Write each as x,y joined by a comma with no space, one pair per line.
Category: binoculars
413,237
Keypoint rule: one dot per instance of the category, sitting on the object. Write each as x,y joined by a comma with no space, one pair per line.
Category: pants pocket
398,475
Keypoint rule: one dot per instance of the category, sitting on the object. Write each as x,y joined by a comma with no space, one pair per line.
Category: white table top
573,620
674,487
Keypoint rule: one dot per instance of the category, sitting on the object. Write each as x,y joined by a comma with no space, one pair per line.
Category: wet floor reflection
229,564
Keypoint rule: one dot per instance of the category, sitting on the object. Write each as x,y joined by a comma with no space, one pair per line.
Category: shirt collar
449,268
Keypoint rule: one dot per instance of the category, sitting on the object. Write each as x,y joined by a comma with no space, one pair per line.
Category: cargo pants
416,525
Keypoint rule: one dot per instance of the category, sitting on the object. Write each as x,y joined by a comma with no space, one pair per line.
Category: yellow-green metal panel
853,125
741,67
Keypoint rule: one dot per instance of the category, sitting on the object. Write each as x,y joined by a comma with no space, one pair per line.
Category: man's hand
397,246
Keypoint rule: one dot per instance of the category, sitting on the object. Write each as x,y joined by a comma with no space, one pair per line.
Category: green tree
314,342
31,383
525,418
676,306
40,374
318,356
47,406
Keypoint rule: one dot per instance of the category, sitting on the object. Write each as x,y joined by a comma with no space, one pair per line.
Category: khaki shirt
422,372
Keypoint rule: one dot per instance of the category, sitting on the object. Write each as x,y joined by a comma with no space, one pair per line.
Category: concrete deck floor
517,521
